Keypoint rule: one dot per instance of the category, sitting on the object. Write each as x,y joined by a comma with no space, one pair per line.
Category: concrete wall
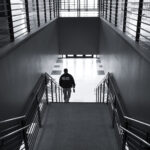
21,67
79,35
131,70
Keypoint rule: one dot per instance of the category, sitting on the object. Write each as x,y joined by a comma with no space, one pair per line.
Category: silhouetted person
66,81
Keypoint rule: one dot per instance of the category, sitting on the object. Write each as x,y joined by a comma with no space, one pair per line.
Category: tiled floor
87,74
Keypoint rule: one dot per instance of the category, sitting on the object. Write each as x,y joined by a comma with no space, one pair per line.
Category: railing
133,134
131,17
20,133
20,17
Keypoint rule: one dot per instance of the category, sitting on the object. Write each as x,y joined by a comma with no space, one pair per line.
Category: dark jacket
66,81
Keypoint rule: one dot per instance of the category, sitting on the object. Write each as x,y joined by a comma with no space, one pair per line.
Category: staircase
77,126
50,124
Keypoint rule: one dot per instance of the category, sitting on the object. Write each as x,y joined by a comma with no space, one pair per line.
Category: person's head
65,70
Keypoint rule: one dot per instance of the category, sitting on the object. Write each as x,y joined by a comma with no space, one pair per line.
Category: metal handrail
33,113
102,80
53,80
117,98
14,132
39,86
137,121
136,136
124,123
13,119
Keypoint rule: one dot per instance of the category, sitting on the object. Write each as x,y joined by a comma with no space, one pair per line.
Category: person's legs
65,94
68,94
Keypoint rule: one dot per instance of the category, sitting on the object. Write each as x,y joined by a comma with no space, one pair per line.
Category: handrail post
52,91
96,95
59,94
39,113
25,137
124,137
62,94
46,84
100,93
56,92
113,119
107,90
103,91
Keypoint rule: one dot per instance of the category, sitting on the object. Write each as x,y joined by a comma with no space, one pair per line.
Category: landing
87,72
77,126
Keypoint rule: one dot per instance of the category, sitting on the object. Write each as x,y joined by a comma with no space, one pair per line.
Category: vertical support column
86,5
10,21
106,9
59,7
45,11
103,8
68,5
78,8
38,13
125,15
110,10
99,4
139,20
27,15
50,9
59,94
116,13
53,8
